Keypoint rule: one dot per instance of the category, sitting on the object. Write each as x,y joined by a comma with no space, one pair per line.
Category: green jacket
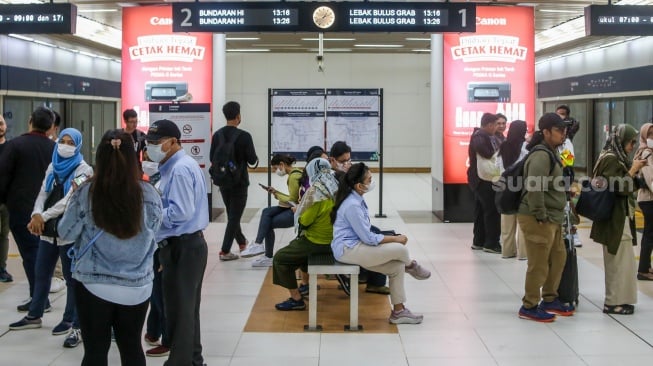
543,192
293,187
316,222
609,232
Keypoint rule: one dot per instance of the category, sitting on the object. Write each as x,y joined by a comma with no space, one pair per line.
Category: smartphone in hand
264,187
78,180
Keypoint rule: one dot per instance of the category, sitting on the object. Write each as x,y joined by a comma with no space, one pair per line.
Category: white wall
404,79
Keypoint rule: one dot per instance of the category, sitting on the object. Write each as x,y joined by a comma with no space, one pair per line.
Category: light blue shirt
352,225
184,197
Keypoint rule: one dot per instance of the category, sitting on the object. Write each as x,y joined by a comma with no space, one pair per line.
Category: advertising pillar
492,70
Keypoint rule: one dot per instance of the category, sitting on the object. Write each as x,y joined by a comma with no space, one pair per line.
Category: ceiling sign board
38,18
217,17
624,20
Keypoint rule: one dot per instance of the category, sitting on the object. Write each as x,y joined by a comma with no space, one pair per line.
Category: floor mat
332,310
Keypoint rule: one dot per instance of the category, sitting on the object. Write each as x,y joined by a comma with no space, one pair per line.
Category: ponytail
537,139
355,174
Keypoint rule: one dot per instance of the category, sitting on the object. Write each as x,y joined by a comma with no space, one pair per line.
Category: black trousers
98,316
487,220
235,200
647,237
184,263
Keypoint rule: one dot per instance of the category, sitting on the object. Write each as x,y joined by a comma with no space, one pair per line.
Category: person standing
235,197
502,122
616,233
4,217
566,151
130,117
541,214
182,249
645,201
487,221
23,163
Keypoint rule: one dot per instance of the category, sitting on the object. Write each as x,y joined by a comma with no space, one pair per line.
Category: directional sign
619,20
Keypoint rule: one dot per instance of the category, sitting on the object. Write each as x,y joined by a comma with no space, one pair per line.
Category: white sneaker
576,239
262,262
252,250
57,285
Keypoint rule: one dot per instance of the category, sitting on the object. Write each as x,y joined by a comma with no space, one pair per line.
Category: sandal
645,276
624,309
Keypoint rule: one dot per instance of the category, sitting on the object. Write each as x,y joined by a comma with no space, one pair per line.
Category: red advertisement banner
492,70
159,66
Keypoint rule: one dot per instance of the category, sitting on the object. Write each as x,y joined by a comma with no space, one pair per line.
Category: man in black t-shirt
131,121
4,217
235,198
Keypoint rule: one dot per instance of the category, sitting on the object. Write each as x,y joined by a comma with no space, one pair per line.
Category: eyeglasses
344,162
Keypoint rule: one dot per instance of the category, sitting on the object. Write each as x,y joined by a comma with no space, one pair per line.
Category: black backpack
225,170
509,188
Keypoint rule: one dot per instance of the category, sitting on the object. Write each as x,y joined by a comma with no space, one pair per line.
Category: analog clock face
324,17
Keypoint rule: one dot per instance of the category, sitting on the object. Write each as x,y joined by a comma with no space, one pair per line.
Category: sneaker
383,290
576,239
262,262
5,276
536,314
23,308
344,282
558,308
242,247
291,304
151,340
26,323
417,271
62,328
73,339
253,250
303,289
476,247
57,285
159,351
228,256
494,250
404,317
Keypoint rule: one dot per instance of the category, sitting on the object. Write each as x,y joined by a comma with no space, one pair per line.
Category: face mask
370,187
65,151
150,168
155,153
649,143
280,172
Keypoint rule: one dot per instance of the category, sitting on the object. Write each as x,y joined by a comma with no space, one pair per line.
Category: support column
219,98
437,134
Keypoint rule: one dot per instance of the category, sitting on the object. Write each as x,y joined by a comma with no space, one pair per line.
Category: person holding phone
67,171
276,217
645,201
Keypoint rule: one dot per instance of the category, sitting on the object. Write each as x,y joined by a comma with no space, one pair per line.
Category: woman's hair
281,158
355,174
511,148
537,139
116,192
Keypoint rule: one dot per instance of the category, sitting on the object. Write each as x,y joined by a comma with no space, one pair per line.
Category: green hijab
619,137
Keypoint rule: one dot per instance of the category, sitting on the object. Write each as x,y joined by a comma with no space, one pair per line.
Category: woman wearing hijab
315,233
616,234
512,150
645,201
67,167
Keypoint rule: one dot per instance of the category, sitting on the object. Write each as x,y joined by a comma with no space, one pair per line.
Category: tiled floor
470,306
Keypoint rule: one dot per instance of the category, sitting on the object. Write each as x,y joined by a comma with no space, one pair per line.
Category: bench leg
353,305
312,302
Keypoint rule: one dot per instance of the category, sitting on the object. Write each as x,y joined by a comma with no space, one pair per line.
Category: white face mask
370,187
155,153
150,168
65,151
649,143
280,172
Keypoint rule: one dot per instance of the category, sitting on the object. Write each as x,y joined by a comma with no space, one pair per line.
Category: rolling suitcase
568,289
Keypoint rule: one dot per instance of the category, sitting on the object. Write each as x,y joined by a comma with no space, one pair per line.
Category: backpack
225,170
509,188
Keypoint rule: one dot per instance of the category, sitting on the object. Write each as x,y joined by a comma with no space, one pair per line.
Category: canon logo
491,21
160,21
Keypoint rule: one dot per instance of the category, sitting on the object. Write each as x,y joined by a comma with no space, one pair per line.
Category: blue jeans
156,319
274,217
28,244
46,259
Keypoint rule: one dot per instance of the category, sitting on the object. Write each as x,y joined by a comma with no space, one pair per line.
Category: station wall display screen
323,16
38,18
623,20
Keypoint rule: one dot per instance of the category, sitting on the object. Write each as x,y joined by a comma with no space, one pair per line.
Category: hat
161,129
549,121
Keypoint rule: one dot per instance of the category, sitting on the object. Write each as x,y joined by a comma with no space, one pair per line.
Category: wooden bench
326,264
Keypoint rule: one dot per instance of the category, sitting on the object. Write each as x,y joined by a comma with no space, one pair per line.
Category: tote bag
596,201
487,169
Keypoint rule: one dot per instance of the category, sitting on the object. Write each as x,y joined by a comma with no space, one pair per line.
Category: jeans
46,259
274,217
98,316
647,237
235,200
487,220
156,319
4,236
28,244
184,263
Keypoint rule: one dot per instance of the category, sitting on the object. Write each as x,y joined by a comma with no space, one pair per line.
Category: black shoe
495,249
476,247
344,283
23,308
5,276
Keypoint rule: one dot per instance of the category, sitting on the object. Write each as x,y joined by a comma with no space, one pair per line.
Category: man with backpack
541,215
232,149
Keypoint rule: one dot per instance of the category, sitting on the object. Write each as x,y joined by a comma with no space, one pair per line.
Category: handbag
75,254
487,169
50,226
596,200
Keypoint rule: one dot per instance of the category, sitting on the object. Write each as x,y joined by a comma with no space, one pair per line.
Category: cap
549,121
161,129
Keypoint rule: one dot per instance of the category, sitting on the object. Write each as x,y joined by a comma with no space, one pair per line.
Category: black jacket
480,143
23,163
244,151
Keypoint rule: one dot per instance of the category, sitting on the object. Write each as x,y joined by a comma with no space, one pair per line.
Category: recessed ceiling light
276,45
329,39
97,10
379,45
418,39
331,50
248,50
559,11
422,50
242,38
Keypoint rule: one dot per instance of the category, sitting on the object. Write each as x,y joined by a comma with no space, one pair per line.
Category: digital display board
38,18
323,17
622,20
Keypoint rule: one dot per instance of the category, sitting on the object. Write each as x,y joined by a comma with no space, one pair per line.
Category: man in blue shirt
183,250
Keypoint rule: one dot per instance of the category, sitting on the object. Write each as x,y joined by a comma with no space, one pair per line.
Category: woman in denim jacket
119,214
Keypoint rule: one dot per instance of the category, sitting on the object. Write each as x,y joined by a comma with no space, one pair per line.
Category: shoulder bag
75,254
596,200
